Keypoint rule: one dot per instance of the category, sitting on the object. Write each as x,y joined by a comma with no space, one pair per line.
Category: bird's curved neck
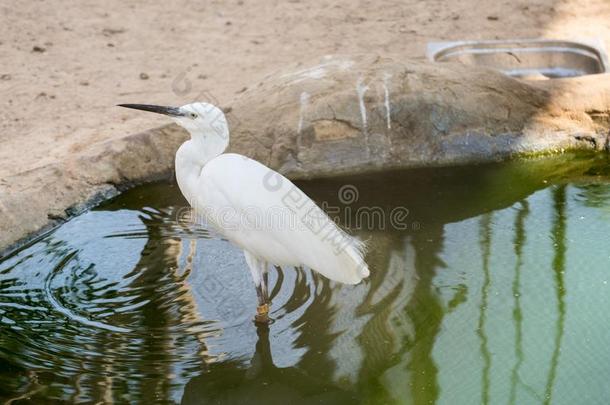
192,156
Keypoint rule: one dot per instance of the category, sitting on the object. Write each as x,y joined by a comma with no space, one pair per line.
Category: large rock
339,115
368,113
34,201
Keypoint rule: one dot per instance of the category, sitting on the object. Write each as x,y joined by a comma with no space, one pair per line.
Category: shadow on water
131,303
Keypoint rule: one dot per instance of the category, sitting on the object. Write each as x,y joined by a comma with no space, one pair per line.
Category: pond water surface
491,286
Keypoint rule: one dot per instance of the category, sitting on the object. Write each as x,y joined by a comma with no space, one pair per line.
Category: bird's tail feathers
356,250
344,263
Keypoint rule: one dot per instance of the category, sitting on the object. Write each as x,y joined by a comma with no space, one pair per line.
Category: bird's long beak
171,111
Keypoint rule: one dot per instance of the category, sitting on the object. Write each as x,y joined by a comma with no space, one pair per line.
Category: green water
494,288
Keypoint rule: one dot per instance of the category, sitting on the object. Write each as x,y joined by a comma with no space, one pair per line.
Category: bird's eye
193,115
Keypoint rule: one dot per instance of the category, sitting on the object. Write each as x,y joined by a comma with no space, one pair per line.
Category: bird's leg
265,284
262,310
262,292
258,269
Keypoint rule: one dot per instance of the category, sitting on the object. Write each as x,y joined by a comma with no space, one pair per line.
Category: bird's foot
262,314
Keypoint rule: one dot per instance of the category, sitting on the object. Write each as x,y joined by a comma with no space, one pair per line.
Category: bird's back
266,214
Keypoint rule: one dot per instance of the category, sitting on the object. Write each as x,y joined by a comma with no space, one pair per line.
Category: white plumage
256,208
276,222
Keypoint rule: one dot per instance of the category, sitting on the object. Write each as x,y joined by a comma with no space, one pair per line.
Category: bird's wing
267,215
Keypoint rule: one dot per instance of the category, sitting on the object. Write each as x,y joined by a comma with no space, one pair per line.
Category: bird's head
201,120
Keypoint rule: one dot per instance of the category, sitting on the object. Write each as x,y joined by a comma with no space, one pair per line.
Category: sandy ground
64,65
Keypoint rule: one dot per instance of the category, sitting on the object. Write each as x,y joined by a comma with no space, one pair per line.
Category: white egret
256,208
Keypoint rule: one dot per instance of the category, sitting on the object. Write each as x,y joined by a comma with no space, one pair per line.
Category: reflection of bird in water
258,209
261,383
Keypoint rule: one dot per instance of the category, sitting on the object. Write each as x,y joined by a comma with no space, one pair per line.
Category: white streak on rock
304,103
387,99
361,88
319,71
